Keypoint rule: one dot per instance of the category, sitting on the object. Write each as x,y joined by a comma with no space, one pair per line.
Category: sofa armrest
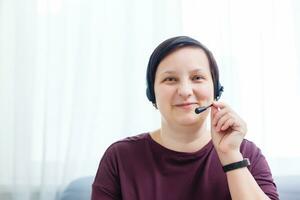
79,189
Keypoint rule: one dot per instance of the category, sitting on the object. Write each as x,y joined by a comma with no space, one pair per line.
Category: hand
228,131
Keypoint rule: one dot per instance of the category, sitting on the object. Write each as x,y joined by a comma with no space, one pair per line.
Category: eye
170,79
197,78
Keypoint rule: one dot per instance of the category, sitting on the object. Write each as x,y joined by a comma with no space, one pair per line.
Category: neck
182,139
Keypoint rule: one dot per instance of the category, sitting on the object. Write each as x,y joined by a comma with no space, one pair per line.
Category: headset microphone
201,109
217,97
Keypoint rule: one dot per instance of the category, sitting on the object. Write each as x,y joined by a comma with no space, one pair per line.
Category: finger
214,110
218,115
222,121
219,104
227,124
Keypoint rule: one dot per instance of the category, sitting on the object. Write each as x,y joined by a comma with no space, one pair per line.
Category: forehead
185,58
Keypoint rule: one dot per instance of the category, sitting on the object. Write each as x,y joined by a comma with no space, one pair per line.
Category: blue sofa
80,189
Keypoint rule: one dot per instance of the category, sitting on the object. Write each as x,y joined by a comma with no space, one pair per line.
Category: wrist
230,157
236,165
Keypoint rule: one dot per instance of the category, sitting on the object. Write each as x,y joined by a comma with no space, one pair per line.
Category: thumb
213,112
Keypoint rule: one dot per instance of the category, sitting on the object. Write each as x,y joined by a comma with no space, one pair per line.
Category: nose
185,90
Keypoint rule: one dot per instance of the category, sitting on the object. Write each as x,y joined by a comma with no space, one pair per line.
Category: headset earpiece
219,91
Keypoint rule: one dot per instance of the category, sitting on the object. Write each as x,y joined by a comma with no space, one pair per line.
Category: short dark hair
169,46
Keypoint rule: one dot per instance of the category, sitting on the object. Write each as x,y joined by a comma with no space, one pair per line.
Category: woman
185,159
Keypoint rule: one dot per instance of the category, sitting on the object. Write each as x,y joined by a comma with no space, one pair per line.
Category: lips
187,105
184,104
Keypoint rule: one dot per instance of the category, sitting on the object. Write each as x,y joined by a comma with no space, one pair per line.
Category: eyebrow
174,72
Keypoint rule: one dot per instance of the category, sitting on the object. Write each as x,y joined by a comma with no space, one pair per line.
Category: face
183,82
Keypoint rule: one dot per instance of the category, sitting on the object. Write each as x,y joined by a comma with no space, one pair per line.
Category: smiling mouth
186,105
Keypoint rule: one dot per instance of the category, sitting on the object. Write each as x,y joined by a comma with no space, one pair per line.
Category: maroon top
138,168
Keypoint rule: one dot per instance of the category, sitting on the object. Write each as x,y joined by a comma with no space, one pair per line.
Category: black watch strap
236,165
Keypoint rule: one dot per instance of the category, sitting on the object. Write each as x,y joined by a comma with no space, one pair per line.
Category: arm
106,185
242,184
228,131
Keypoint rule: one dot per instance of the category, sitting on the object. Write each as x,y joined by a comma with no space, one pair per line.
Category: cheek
205,91
163,93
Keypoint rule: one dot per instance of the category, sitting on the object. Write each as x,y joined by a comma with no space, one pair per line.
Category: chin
188,121
191,119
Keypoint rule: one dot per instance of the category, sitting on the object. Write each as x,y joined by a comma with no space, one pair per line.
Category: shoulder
255,155
128,144
131,141
249,147
250,150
